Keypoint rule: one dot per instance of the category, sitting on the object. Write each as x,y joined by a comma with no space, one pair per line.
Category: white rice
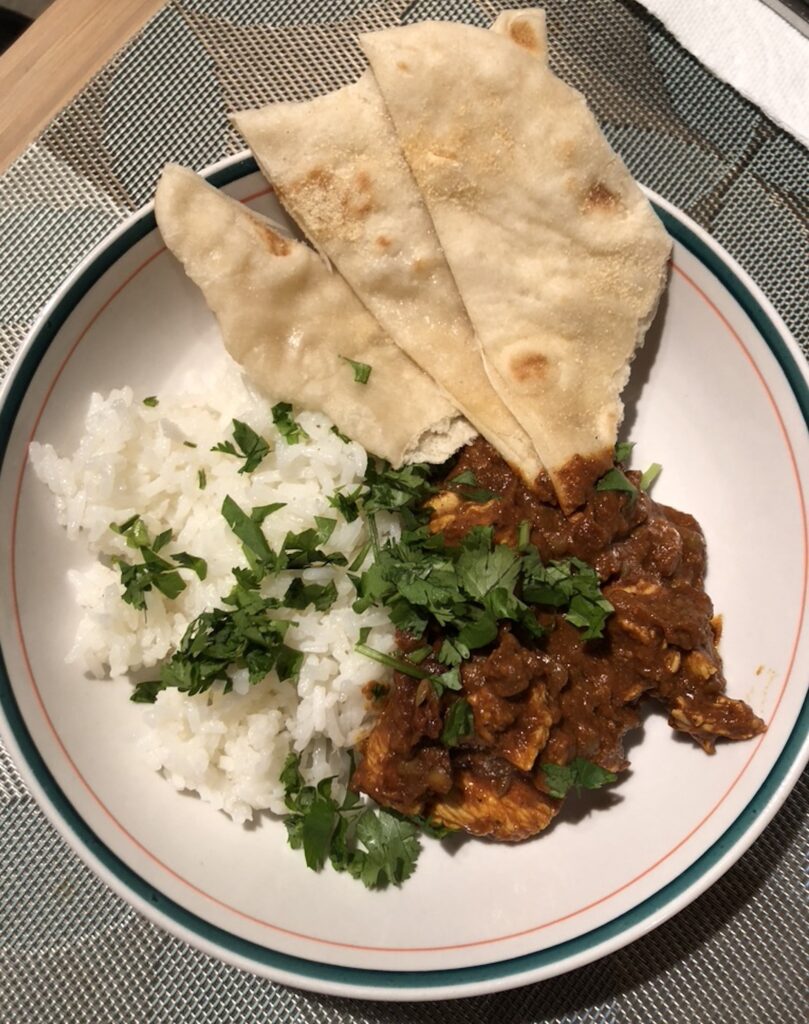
132,459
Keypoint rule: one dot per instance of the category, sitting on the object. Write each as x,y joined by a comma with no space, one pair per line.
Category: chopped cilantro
260,512
464,484
623,451
348,505
362,371
398,664
248,531
649,476
251,446
374,846
459,725
570,583
202,479
291,431
198,565
189,444
153,571
218,641
341,435
579,774
300,595
614,480
151,401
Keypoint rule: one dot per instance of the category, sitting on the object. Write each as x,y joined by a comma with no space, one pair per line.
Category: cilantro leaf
464,484
614,480
151,401
397,490
348,505
287,426
459,725
153,571
374,846
251,446
199,565
362,371
579,774
217,641
300,595
318,825
391,849
623,451
572,584
247,530
649,476
398,664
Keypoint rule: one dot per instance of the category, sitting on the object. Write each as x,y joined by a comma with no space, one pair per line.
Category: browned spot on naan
383,241
529,366
599,197
329,199
277,245
360,203
402,65
523,35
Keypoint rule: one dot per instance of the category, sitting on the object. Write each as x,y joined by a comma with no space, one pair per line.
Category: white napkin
746,44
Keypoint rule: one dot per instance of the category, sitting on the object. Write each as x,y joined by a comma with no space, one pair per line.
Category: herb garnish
465,485
341,435
615,480
467,590
251,446
459,725
362,371
570,583
241,636
372,845
291,431
151,401
154,571
579,774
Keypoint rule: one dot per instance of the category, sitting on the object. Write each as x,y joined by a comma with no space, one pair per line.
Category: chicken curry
540,700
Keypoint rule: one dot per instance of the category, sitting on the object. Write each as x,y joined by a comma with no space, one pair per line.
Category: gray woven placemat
72,951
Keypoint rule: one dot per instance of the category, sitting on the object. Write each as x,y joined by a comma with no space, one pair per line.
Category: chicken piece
477,805
508,696
706,717
516,730
401,766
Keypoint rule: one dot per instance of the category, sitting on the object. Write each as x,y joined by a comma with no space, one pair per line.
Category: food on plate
579,619
336,166
463,637
557,254
140,470
298,329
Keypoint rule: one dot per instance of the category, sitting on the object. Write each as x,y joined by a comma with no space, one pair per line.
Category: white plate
716,396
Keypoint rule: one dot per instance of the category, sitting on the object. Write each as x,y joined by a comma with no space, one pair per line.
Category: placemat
71,950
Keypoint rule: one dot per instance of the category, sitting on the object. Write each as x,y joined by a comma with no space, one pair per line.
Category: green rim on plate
258,955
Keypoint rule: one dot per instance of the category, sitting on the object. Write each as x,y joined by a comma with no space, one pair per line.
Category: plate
718,396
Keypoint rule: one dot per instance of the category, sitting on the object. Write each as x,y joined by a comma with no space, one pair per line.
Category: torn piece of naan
557,254
294,325
337,167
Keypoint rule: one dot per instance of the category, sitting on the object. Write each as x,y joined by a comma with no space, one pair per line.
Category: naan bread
337,167
558,256
292,324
